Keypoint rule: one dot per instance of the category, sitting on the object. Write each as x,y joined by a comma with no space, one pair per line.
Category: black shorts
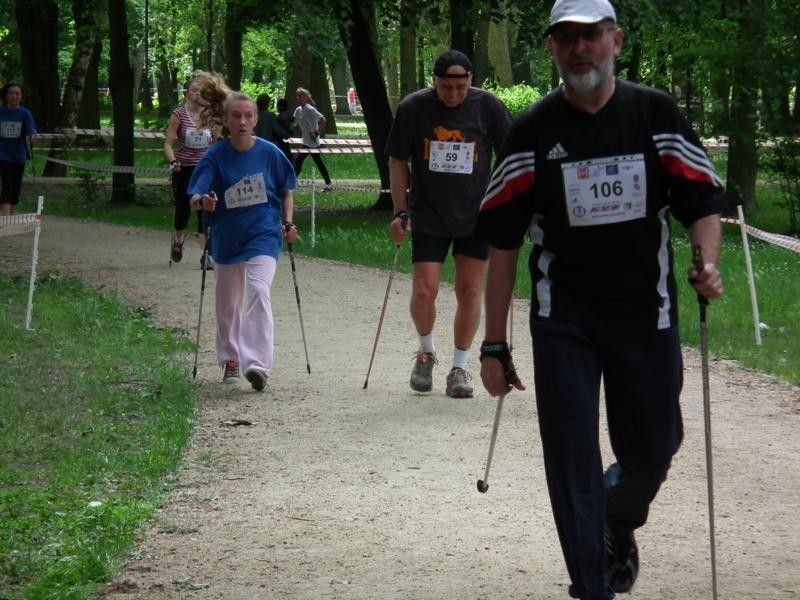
429,248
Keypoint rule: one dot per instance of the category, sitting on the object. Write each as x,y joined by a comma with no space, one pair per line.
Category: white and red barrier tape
90,166
334,142
16,224
151,135
784,241
357,150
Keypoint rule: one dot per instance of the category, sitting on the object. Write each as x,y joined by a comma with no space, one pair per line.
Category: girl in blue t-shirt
246,184
16,130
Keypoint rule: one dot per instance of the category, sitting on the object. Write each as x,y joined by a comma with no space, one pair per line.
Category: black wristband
173,164
501,352
402,215
287,225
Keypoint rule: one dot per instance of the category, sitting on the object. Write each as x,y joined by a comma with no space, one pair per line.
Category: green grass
347,229
95,410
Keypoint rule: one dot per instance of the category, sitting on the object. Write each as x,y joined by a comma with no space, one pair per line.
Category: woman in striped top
195,126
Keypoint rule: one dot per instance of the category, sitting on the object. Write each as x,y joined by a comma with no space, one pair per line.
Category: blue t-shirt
16,125
249,186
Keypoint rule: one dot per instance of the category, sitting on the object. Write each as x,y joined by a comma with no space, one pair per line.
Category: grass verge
95,410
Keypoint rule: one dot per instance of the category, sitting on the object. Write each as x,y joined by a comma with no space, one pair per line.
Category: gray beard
588,83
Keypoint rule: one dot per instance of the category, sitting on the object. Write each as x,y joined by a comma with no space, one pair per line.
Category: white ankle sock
460,357
426,343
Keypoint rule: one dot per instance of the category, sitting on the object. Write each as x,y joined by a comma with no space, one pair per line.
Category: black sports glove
500,351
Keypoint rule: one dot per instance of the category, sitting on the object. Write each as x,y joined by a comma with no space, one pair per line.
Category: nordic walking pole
483,484
299,310
383,311
202,289
702,301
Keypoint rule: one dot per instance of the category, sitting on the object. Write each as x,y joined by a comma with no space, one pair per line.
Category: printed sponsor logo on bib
10,129
247,191
605,190
451,157
197,138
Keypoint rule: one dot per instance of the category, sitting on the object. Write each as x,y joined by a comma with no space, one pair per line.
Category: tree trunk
520,59
358,34
338,68
298,70
123,189
86,14
742,147
408,47
37,21
500,52
462,26
234,32
138,68
481,64
167,97
392,69
318,86
89,113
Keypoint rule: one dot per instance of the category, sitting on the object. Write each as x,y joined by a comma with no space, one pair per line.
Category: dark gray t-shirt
450,151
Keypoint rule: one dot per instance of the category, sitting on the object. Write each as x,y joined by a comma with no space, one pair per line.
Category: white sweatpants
244,313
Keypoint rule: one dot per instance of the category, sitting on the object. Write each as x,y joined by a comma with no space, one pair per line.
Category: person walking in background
17,129
269,127
312,126
286,121
448,132
351,100
246,184
593,172
191,126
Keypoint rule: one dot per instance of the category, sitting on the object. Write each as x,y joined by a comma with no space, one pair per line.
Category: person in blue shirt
17,128
246,184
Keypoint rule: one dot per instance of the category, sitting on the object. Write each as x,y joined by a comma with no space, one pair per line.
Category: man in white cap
448,133
593,172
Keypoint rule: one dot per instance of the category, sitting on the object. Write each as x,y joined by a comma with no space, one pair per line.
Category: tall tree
89,113
359,34
408,46
234,33
743,144
121,87
37,22
462,26
87,15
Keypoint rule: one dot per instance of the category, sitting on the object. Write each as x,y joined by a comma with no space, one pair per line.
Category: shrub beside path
321,489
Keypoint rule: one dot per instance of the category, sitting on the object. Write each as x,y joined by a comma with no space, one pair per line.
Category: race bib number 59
605,190
451,157
246,192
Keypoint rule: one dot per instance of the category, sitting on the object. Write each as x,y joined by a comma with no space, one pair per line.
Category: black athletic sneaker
177,250
622,555
257,379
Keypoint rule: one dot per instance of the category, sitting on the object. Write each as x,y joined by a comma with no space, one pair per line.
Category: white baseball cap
580,11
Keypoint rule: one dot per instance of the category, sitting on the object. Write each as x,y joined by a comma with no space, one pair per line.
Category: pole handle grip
697,262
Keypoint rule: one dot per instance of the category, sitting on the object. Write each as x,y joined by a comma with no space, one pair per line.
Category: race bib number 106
605,190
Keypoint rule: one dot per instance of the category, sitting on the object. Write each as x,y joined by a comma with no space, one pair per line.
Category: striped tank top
192,141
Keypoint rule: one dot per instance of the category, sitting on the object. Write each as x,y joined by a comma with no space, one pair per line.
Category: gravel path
321,489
